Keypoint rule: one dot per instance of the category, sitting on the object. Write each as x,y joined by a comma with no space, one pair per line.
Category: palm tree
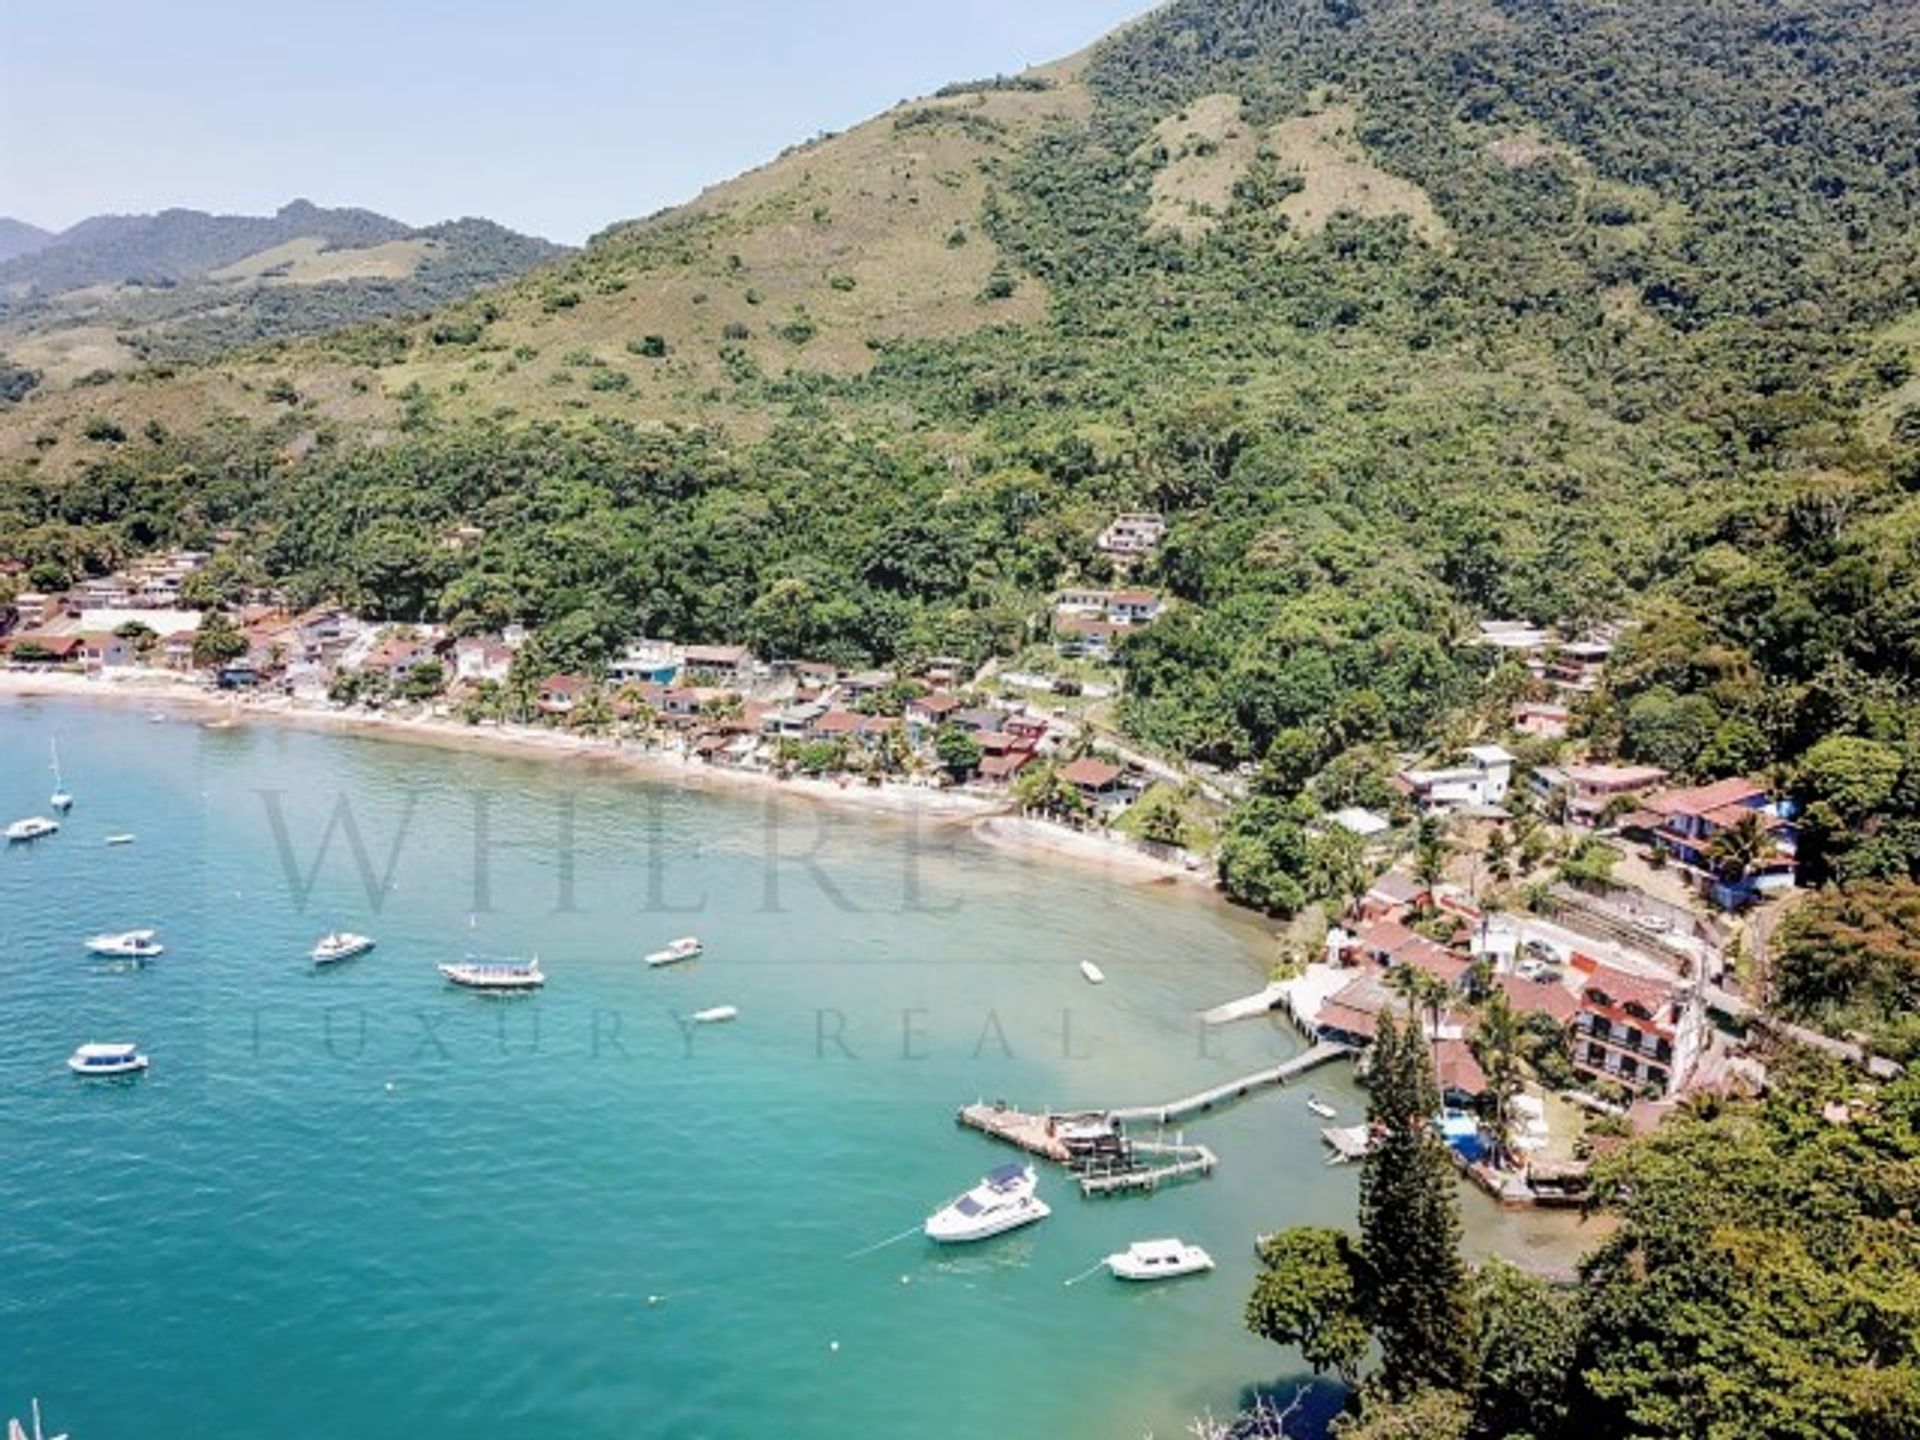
1430,851
1497,1045
1736,850
1426,996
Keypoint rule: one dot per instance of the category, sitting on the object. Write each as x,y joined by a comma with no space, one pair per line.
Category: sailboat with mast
62,798
17,1431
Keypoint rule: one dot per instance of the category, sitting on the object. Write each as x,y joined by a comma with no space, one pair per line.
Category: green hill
1405,312
117,290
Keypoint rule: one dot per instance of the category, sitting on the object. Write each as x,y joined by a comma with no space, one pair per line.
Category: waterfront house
1028,730
35,609
1389,944
1687,822
104,650
323,632
558,695
481,657
795,721
39,647
649,662
1100,783
1639,1028
398,656
1002,769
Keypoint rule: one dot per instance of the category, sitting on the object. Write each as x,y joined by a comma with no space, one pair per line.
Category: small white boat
340,945
717,1015
31,828
1320,1107
1158,1260
62,799
495,974
107,1059
121,839
1095,975
685,948
128,945
1003,1200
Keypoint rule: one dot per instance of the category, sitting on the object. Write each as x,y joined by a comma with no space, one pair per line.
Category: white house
1483,780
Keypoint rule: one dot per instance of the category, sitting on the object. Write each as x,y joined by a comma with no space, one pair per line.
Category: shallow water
360,1201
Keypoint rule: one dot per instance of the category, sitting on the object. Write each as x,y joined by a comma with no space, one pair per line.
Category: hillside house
1131,536
1543,722
1576,667
1685,823
1589,789
1087,637
1482,781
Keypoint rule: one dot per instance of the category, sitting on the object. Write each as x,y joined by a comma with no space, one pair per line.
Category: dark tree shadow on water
1291,1407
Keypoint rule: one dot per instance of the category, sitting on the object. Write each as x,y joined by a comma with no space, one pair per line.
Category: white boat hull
718,1015
1095,975
675,954
1158,1262
948,1228
125,947
324,954
501,981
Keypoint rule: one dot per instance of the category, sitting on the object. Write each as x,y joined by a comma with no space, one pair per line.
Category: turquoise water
362,1202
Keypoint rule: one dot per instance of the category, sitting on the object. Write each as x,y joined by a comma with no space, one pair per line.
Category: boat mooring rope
882,1244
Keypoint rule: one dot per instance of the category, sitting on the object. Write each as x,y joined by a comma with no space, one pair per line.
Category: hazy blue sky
555,116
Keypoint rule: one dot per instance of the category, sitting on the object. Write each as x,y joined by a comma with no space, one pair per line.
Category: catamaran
128,945
685,948
478,974
62,798
107,1059
341,945
1002,1201
1158,1260
31,828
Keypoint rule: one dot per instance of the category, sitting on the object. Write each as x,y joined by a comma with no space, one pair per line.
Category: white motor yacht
341,945
685,948
31,828
1095,975
128,945
1158,1260
1003,1200
510,975
107,1059
718,1015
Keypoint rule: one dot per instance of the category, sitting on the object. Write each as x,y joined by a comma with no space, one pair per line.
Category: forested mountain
17,237
115,290
1405,312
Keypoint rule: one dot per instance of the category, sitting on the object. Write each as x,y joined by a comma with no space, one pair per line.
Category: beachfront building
559,695
728,665
645,662
1101,784
1639,1028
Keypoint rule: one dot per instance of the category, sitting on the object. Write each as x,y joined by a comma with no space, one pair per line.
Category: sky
552,116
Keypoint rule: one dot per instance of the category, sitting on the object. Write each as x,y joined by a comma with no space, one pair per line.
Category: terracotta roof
1539,997
1398,945
936,704
564,685
1090,774
1455,1067
998,767
1705,798
1397,887
1624,986
840,722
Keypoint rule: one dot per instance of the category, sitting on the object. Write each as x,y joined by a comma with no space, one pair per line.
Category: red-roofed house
1000,769
1388,944
560,693
1637,1028
1099,782
1690,819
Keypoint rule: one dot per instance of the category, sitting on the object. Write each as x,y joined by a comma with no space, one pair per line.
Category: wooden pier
1036,1134
1175,1110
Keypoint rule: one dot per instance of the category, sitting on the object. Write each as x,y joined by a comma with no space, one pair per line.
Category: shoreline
987,819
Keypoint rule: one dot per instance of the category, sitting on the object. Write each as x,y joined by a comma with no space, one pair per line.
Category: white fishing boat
1095,975
125,838
128,945
62,798
32,828
107,1059
340,945
717,1015
1003,1200
506,975
16,1431
1320,1107
1158,1260
685,948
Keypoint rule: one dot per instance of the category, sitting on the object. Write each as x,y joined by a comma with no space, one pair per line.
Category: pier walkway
1174,1110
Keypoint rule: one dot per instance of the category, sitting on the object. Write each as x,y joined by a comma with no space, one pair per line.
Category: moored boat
1095,975
33,827
107,1058
685,948
1003,1200
510,975
1320,1107
1158,1260
62,799
717,1015
340,945
124,838
128,945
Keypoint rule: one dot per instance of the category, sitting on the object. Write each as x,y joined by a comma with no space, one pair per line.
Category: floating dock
1035,1134
1179,1161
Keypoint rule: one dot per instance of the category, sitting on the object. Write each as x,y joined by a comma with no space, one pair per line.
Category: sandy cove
988,818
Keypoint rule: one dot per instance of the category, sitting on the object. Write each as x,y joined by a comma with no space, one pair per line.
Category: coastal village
1568,932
